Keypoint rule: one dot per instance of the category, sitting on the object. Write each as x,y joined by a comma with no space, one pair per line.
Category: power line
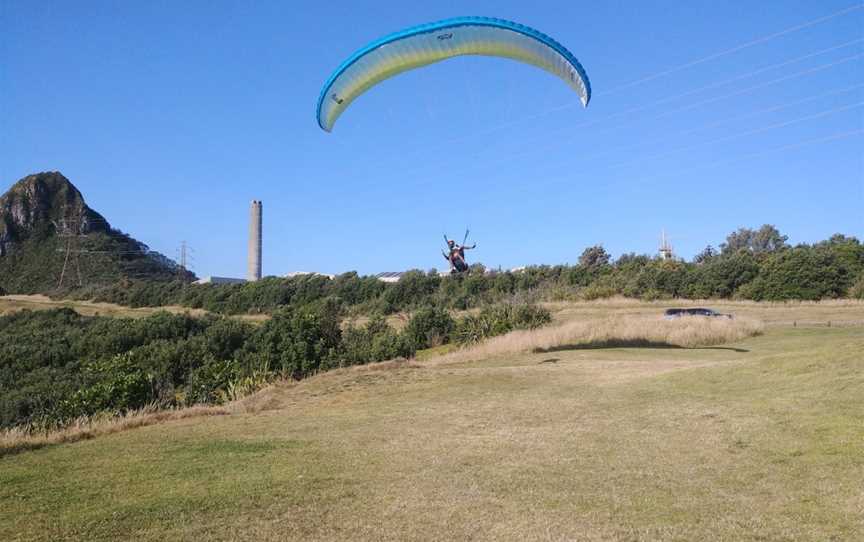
726,120
739,135
674,69
738,92
832,137
540,149
795,75
72,237
714,99
709,86
747,156
125,252
734,49
737,78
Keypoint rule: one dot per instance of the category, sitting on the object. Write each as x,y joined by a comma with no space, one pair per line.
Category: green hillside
45,226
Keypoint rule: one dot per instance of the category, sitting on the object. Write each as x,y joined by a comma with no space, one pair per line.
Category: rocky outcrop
46,229
45,201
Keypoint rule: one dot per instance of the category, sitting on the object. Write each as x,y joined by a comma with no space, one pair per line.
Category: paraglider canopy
428,43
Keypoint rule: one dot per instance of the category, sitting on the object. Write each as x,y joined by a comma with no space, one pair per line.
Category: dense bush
58,365
293,343
376,341
721,276
429,327
498,320
857,289
800,273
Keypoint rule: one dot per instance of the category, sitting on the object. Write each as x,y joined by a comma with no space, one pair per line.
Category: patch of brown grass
19,439
610,331
614,331
619,301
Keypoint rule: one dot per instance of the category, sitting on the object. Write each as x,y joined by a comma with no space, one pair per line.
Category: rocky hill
51,240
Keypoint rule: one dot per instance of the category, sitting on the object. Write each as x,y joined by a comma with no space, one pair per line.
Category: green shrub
653,294
530,316
376,341
116,384
210,382
597,291
802,272
429,327
857,289
498,320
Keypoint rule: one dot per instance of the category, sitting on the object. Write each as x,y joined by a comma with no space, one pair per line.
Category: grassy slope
763,439
14,303
36,302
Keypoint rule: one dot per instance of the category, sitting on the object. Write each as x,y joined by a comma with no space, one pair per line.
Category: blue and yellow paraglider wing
425,44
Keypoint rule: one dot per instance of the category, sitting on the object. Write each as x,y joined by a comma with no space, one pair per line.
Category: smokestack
253,272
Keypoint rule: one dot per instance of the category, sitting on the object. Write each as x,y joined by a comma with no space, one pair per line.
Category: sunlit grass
758,439
613,331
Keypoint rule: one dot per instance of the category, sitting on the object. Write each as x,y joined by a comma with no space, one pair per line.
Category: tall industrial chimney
253,272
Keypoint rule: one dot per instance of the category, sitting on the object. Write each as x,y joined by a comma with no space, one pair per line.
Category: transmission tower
665,247
184,259
71,230
183,255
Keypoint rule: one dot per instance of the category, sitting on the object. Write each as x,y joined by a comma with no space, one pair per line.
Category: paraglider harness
455,254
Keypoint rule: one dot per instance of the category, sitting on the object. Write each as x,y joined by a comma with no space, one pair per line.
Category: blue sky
171,116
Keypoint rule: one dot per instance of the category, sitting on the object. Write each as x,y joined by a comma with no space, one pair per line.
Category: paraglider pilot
456,257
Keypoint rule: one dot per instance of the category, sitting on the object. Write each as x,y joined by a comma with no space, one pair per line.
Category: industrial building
294,274
390,276
253,258
219,280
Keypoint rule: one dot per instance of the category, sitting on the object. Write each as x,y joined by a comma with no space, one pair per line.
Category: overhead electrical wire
561,142
735,49
740,158
749,155
631,120
533,149
707,101
728,119
746,133
668,71
673,69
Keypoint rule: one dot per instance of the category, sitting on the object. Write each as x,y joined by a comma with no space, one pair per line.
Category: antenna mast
665,247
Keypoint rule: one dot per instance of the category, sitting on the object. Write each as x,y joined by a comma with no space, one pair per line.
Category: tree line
751,264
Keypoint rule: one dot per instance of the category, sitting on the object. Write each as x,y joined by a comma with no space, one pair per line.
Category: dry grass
758,442
19,439
619,301
15,303
828,313
614,331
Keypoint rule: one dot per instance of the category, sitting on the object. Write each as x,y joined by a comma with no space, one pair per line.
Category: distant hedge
752,264
767,270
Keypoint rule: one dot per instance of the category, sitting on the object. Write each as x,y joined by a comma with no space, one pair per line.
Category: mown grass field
14,303
761,439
